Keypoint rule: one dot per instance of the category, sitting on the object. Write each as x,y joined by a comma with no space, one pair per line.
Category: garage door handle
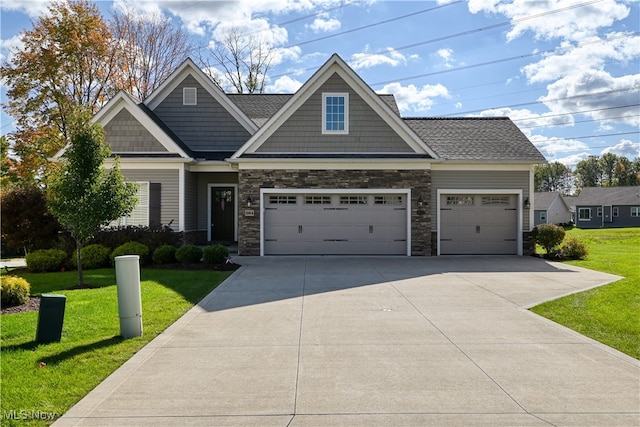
371,229
299,229
477,229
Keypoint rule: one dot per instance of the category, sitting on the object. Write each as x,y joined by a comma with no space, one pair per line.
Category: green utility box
50,318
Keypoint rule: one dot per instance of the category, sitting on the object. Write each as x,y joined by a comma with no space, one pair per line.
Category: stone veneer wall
251,181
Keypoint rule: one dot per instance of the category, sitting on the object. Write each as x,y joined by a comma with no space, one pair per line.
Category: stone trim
251,181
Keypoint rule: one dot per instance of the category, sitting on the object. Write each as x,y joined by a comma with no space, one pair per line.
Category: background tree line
608,170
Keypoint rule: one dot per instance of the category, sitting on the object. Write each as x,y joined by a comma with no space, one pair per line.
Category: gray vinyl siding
169,191
124,134
302,132
207,126
190,201
624,218
204,179
480,180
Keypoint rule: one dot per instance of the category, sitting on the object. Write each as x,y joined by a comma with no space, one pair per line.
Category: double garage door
334,224
474,224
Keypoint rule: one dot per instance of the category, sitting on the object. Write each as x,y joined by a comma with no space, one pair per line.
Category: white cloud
572,160
284,84
626,148
413,99
368,60
591,54
572,23
324,25
446,54
8,46
552,147
596,93
33,9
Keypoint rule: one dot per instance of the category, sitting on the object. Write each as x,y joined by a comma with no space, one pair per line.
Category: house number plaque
248,212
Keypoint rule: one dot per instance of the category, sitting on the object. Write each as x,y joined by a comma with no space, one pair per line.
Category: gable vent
189,96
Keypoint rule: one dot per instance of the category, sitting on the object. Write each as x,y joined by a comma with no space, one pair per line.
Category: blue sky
567,72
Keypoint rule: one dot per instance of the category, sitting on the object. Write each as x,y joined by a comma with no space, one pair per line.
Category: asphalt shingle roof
598,196
543,201
475,139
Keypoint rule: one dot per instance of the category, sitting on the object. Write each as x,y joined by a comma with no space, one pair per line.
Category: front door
222,214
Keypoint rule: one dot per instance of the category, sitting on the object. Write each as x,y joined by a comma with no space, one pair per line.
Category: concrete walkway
368,341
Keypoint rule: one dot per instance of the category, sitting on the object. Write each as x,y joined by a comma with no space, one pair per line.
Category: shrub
574,249
14,290
165,254
549,236
132,248
93,256
46,260
188,254
215,254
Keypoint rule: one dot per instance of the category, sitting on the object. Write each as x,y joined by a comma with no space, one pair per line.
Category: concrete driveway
366,341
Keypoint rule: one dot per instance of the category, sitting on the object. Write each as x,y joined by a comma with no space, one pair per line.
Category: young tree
150,48
241,60
68,59
82,194
553,176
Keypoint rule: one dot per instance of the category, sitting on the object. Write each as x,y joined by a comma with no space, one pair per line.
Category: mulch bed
32,305
34,302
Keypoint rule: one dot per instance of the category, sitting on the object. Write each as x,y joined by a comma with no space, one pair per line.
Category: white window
616,211
140,214
317,200
283,200
190,96
335,113
599,212
543,217
353,200
635,211
460,200
584,214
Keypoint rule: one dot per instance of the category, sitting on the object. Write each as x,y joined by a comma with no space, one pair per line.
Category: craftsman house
608,207
331,169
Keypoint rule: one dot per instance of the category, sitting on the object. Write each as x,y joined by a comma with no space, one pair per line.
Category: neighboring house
550,208
607,207
331,169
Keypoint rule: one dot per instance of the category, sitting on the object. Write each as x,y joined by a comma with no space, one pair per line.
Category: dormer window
190,96
335,113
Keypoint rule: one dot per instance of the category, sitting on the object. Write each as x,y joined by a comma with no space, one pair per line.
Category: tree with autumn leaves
72,57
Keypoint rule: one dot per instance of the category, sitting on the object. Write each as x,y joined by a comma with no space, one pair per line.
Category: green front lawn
53,377
609,314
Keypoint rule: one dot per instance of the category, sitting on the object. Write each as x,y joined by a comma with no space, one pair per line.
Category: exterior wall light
249,201
420,201
527,203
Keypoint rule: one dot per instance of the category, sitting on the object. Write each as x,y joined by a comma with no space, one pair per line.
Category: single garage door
335,224
478,224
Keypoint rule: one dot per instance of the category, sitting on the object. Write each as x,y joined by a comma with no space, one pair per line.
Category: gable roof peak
336,65
189,68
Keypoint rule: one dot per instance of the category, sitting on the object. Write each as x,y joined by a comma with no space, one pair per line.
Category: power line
576,122
498,61
447,37
522,104
575,112
375,24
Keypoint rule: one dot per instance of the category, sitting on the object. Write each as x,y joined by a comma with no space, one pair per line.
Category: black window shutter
154,205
